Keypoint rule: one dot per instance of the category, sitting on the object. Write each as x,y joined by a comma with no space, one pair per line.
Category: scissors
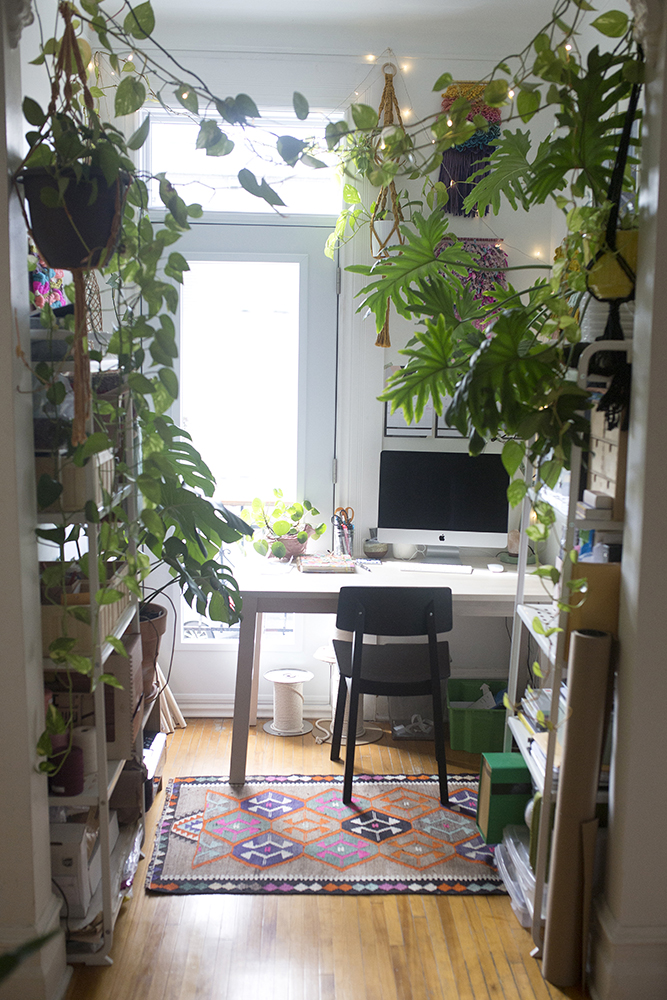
344,514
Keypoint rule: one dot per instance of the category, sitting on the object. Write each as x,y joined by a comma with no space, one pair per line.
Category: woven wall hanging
460,161
491,265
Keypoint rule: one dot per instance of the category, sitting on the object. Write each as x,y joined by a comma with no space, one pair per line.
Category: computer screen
439,498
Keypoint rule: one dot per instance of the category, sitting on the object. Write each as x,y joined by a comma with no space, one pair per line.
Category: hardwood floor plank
314,947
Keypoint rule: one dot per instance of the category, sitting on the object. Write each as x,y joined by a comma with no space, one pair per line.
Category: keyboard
436,568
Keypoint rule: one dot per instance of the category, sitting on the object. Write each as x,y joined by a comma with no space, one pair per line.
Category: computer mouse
496,567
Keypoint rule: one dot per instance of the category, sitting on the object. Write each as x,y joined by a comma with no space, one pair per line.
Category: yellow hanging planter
611,276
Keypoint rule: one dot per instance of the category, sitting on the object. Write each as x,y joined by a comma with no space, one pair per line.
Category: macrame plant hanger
387,195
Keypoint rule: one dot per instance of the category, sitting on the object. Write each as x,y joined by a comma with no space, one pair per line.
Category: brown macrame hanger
388,108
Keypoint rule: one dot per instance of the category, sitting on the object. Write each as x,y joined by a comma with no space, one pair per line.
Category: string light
537,253
406,67
370,58
450,122
568,47
510,93
406,112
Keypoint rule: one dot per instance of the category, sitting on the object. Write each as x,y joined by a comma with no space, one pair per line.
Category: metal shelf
78,516
548,615
90,794
87,944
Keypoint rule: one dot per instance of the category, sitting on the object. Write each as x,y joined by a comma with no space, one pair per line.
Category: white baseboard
628,963
207,706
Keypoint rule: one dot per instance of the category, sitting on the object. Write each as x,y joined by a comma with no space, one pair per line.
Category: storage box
475,729
76,872
607,462
73,477
108,615
505,788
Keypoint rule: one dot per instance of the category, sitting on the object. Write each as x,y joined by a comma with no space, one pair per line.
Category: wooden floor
311,948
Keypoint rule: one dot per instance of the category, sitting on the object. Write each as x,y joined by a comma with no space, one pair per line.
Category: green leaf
495,94
334,132
169,381
91,512
613,23
300,105
130,96
139,383
48,491
140,22
187,96
95,443
278,550
350,195
443,81
33,113
249,183
550,472
246,107
516,491
527,103
139,137
117,645
290,148
110,680
108,595
363,116
513,455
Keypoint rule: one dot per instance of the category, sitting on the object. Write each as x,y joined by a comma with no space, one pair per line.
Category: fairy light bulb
406,67
537,253
450,122
510,93
369,58
406,112
568,47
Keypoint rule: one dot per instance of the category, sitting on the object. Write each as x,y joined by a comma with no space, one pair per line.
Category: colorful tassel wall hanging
459,162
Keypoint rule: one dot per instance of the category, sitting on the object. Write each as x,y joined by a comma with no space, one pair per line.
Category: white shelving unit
90,938
552,649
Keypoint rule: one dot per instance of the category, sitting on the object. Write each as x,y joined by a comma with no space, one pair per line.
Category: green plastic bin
476,730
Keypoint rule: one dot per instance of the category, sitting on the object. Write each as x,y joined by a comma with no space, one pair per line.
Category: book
326,563
593,513
594,498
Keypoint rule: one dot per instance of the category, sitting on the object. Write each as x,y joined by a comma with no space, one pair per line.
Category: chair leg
440,756
350,744
339,716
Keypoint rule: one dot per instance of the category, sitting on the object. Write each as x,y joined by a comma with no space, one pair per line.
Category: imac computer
443,500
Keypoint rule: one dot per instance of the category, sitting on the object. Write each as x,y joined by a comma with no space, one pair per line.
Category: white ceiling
468,29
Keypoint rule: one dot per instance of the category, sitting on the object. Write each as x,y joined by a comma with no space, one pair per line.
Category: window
212,180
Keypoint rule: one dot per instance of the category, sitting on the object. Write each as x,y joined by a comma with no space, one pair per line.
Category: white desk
479,593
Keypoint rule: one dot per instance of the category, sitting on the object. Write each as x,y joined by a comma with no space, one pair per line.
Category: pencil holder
343,539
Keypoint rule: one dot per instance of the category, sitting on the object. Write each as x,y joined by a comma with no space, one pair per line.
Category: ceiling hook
390,69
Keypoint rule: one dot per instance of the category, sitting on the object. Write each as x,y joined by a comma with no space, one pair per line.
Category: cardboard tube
587,683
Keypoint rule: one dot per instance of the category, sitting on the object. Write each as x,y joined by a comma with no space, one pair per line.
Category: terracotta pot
292,545
153,625
81,233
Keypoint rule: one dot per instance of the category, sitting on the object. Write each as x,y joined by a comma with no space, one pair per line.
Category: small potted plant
284,526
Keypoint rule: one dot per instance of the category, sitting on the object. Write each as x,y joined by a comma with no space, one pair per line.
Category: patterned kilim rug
291,834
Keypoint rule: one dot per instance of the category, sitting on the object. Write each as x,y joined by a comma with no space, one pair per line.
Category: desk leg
243,695
255,669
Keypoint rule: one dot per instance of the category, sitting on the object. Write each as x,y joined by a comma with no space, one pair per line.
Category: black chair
393,668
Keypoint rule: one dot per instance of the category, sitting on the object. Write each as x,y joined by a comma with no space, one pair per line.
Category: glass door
258,330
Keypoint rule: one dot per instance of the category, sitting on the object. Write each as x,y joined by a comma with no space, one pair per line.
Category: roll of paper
85,738
568,901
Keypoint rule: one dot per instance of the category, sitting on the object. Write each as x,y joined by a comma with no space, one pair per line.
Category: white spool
85,737
288,702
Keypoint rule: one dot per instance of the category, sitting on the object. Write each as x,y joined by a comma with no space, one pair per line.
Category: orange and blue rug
292,835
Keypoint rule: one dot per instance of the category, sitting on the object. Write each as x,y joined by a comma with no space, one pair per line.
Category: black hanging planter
84,232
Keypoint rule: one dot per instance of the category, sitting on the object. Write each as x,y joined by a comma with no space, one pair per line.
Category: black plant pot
80,233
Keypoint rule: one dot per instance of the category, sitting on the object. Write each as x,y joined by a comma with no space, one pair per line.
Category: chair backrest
394,610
